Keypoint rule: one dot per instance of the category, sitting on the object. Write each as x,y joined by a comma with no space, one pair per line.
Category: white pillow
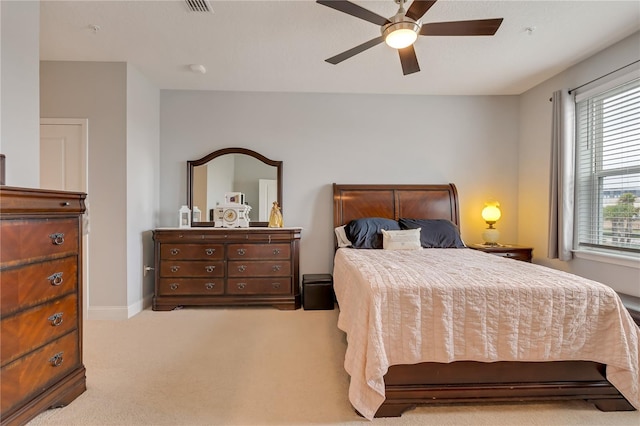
401,240
341,236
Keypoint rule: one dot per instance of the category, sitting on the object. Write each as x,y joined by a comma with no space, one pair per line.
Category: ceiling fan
401,30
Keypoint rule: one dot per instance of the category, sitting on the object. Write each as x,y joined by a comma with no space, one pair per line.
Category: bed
394,367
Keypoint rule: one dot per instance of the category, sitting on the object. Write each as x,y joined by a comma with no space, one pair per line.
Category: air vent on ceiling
199,5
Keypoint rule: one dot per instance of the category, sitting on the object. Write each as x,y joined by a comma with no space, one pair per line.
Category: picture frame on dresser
234,198
2,169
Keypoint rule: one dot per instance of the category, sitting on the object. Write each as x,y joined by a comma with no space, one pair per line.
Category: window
608,169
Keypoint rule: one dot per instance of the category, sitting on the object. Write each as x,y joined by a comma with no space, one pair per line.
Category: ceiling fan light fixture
400,34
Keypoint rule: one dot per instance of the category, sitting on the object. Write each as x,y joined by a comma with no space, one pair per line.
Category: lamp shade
401,34
399,39
491,212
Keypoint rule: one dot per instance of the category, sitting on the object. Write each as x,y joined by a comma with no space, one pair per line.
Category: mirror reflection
234,170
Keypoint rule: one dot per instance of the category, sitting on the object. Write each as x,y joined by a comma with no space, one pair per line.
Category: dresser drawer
278,285
258,268
517,255
191,268
26,240
190,286
259,251
34,327
36,283
191,251
30,375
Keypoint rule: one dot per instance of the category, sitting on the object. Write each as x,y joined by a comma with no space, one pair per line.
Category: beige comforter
444,305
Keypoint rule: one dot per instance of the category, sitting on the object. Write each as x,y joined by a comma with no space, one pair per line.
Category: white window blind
608,169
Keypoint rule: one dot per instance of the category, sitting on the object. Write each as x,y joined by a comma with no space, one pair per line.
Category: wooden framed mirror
234,170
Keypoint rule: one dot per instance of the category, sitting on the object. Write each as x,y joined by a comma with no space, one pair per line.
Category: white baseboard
118,313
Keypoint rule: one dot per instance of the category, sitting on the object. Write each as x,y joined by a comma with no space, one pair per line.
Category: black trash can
317,291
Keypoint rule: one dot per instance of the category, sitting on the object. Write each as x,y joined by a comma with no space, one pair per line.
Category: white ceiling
274,45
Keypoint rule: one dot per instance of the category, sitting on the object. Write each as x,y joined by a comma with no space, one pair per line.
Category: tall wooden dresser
227,266
41,301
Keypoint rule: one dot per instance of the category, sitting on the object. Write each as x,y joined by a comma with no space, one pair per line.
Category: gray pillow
365,233
435,233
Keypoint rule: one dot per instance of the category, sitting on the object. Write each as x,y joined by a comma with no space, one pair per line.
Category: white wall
20,111
143,185
534,163
326,138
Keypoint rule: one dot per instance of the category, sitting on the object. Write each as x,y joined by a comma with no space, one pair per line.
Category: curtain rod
602,76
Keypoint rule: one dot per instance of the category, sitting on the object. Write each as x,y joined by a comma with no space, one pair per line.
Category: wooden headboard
394,201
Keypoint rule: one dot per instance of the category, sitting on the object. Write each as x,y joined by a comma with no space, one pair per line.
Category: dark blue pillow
435,233
365,233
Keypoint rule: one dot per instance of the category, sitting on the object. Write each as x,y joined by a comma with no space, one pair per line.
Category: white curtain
561,194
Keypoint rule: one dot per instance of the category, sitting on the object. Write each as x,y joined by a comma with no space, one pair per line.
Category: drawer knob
276,285
57,238
56,360
174,251
276,251
55,279
209,286
242,268
209,268
174,268
55,319
276,268
174,286
209,251
241,286
64,203
241,252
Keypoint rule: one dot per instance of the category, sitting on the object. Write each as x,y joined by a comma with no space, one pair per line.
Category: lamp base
491,236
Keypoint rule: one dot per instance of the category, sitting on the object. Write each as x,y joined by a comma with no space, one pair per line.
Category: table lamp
491,214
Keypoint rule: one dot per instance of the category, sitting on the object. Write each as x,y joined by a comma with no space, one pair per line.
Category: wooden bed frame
466,381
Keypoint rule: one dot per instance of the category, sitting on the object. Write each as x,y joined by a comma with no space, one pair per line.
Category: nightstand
507,250
317,291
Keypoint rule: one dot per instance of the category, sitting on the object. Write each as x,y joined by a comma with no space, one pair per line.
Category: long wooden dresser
226,266
41,301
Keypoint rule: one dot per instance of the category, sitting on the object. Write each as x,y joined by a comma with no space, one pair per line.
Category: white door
63,166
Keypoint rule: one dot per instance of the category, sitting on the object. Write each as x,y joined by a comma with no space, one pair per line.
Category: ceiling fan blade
354,51
419,8
409,60
462,28
355,10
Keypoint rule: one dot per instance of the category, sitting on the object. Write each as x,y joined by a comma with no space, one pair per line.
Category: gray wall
97,91
19,111
326,138
143,185
534,164
122,108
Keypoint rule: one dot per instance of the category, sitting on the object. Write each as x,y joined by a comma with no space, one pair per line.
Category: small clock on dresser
232,216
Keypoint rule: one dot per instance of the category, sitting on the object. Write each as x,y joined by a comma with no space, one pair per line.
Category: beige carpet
252,366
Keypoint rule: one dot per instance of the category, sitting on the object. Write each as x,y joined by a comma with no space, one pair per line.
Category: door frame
84,148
